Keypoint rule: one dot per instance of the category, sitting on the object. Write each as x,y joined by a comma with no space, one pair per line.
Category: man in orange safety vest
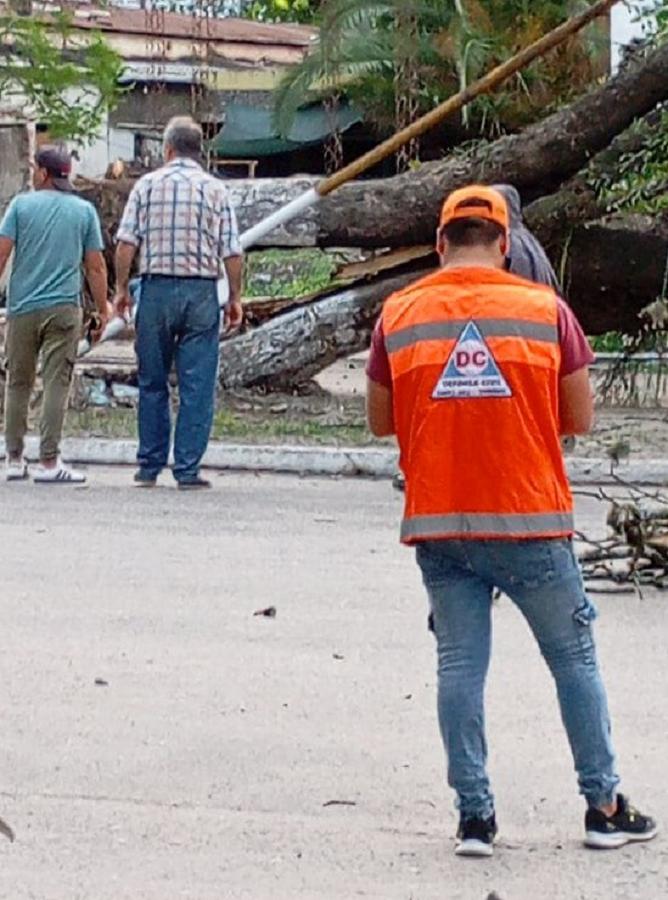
479,373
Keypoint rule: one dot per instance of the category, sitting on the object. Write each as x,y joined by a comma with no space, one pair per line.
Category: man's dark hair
472,232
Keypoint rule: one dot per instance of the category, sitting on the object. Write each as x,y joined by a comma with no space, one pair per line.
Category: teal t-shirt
51,231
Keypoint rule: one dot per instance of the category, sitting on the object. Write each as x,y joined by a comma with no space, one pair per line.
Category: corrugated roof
138,21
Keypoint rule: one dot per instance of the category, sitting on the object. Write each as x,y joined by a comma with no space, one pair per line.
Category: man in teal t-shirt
52,232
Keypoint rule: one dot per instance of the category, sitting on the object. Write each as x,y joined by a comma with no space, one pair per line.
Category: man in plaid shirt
180,220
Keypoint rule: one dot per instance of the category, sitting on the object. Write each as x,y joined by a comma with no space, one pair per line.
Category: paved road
203,765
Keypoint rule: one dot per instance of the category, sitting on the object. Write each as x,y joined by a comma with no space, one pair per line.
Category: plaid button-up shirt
181,219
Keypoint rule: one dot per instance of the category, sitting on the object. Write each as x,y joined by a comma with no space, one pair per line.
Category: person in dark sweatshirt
527,257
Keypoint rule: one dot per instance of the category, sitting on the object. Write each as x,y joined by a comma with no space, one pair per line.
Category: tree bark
613,269
578,201
404,210
295,346
253,200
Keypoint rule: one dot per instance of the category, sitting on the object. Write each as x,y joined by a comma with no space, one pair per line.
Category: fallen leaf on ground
268,612
6,830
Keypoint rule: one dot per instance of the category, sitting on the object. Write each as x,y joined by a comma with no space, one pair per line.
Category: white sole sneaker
474,848
597,840
627,825
59,475
16,472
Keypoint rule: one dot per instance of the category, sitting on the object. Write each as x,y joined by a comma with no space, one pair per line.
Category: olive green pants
53,334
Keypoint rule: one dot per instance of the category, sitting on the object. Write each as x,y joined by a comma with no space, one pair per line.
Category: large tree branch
404,210
613,269
296,345
580,200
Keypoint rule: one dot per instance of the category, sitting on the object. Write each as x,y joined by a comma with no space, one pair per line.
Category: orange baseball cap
488,204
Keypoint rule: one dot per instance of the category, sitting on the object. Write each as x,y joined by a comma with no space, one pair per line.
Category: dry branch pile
634,555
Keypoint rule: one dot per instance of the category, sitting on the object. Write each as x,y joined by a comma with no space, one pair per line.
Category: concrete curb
366,461
375,462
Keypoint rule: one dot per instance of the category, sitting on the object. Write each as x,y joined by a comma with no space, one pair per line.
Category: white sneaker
16,469
59,474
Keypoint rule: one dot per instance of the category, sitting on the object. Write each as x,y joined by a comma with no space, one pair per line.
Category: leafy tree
640,182
301,11
364,45
64,86
661,21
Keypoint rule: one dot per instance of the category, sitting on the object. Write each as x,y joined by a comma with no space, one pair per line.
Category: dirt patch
626,432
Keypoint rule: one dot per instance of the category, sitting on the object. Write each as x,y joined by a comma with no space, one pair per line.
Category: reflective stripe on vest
502,525
489,328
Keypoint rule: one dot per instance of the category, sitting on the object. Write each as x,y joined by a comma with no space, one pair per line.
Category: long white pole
285,214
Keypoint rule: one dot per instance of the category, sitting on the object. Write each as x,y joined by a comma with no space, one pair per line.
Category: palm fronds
450,43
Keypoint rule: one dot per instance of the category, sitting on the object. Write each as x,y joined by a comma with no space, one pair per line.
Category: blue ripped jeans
543,579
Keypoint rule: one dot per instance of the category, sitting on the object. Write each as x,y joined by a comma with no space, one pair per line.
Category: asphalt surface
160,741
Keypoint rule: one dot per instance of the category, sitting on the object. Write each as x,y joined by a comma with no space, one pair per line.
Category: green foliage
66,88
364,44
262,426
662,22
640,183
655,21
301,11
610,342
287,273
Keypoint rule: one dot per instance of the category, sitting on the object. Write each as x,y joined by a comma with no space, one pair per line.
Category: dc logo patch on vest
471,371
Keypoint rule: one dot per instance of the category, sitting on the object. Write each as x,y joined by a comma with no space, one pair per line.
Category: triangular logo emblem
471,371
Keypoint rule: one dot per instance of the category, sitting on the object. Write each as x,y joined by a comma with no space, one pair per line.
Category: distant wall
15,141
154,108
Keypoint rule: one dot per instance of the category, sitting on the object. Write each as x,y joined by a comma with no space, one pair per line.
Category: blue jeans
178,321
543,579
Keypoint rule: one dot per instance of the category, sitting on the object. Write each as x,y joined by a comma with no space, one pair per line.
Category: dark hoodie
527,257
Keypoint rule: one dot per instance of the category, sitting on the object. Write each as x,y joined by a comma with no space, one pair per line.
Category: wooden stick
454,104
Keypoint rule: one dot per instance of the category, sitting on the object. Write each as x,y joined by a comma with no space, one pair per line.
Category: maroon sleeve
378,364
575,350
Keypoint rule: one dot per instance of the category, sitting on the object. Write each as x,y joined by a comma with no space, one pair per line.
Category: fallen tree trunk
295,346
404,210
614,268
253,199
578,200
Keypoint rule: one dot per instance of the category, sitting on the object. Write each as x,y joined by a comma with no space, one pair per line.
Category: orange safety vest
474,356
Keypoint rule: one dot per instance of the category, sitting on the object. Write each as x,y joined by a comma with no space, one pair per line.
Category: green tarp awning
248,132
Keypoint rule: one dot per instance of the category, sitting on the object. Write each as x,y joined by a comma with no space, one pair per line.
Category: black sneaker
475,837
627,825
194,484
399,482
144,479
